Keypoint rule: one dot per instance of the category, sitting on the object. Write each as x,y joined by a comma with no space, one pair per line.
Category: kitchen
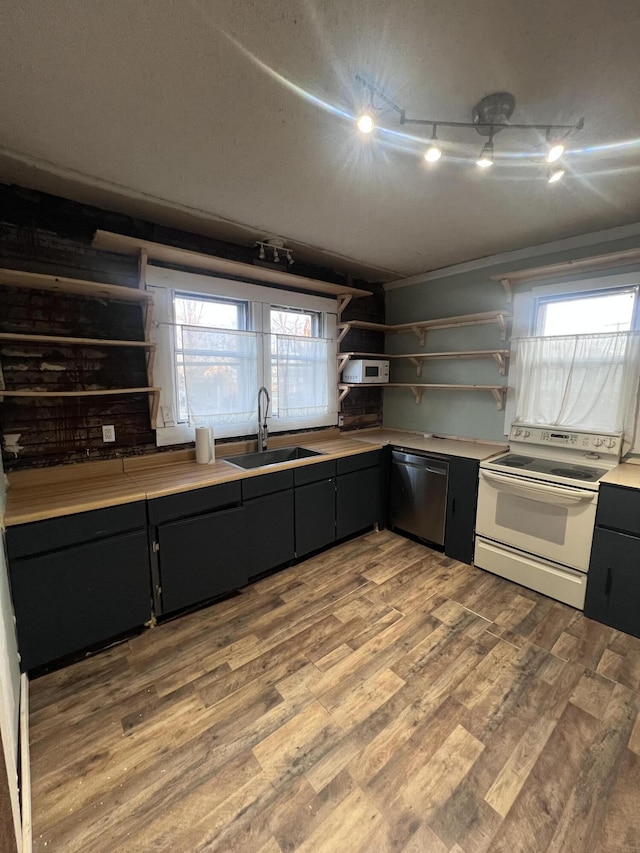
387,663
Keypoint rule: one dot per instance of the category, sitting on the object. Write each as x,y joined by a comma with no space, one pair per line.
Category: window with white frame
218,341
575,352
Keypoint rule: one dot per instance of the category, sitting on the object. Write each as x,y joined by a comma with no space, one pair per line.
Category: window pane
288,322
591,314
215,313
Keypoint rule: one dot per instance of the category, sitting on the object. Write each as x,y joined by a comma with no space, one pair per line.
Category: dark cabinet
269,516
315,516
462,497
199,545
613,582
78,593
358,501
201,557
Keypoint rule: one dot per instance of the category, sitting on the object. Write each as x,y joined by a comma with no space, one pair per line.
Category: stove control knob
610,442
526,433
597,442
517,431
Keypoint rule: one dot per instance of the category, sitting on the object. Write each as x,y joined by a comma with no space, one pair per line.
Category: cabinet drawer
359,461
194,502
314,473
38,537
266,484
619,509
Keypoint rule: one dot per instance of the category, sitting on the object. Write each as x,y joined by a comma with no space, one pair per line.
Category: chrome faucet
263,430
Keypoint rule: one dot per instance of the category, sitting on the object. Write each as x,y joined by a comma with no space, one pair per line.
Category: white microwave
363,370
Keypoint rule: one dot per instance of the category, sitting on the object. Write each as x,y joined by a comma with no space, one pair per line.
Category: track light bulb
261,252
486,156
365,123
433,152
276,256
555,152
555,174
289,258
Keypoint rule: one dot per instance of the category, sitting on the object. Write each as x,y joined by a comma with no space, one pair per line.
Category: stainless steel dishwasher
418,501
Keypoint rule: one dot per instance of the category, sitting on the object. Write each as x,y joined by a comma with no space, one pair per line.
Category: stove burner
574,473
515,461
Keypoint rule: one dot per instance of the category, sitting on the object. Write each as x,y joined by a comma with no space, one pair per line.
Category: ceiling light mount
492,113
275,247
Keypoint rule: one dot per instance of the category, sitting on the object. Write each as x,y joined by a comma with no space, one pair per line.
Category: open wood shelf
417,358
497,391
96,290
59,339
124,245
421,327
77,286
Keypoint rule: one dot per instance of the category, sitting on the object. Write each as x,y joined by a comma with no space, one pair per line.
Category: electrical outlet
108,432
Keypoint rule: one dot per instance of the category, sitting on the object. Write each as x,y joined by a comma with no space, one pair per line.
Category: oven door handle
544,492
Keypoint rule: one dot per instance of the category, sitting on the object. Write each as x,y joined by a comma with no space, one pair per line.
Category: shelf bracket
343,300
343,358
154,403
418,365
501,362
503,326
142,269
417,393
506,283
498,396
419,334
344,328
343,391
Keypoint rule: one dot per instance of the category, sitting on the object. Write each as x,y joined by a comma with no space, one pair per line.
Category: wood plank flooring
378,697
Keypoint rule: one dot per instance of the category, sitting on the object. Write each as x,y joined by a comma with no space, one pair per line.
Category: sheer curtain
582,381
299,376
219,370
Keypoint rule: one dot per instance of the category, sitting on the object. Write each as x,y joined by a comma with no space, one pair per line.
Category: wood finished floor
378,697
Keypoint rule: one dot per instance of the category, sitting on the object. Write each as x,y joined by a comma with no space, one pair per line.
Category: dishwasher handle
425,463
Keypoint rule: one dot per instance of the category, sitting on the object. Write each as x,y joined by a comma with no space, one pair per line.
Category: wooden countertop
54,492
449,446
626,474
159,480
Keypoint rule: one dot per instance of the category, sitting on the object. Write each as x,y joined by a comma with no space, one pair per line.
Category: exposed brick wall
43,233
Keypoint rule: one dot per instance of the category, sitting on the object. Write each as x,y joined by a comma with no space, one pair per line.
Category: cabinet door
78,597
269,531
358,501
202,557
315,510
462,497
613,582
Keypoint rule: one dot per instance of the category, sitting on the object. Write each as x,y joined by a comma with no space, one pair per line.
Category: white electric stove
537,506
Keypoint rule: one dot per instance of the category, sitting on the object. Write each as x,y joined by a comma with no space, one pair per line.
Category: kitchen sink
271,457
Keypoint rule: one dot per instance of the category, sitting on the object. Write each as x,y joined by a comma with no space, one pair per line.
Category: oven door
550,521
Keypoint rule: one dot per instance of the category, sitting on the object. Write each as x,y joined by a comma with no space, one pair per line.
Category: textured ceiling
213,116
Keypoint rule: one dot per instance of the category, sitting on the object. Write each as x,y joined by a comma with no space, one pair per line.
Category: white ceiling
192,112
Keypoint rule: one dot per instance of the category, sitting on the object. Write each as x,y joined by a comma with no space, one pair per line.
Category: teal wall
468,414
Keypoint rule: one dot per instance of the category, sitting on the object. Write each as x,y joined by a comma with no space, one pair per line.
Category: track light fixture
490,116
274,245
555,174
433,152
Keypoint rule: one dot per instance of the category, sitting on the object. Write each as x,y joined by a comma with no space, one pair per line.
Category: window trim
164,282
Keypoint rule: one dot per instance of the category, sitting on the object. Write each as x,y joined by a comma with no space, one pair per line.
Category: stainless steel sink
270,457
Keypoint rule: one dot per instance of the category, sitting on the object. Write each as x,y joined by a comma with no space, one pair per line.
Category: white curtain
219,370
299,376
581,381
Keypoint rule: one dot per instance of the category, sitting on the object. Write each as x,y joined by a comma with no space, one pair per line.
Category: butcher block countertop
44,493
625,474
449,446
52,492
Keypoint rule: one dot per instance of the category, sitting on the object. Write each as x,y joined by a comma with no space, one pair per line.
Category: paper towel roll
204,445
